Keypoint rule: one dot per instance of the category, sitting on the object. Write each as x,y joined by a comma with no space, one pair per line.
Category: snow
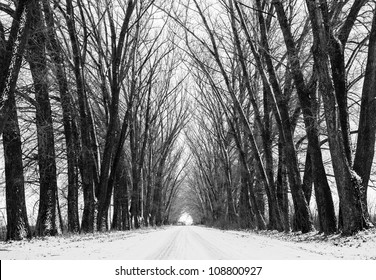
193,243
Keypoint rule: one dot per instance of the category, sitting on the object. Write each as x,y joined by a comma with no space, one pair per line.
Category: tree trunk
282,188
147,208
47,215
156,213
70,128
308,176
275,218
11,53
11,56
87,164
246,213
17,221
136,176
120,216
365,147
348,183
337,62
230,204
230,208
250,197
323,194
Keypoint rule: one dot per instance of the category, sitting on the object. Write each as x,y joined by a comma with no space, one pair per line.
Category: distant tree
170,124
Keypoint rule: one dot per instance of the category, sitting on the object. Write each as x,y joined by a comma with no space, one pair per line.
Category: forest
255,115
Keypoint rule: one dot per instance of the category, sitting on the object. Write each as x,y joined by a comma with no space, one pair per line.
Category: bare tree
69,119
308,103
365,147
172,121
11,51
87,161
117,72
14,49
47,215
348,182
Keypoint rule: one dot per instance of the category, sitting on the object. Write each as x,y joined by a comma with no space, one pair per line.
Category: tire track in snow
167,248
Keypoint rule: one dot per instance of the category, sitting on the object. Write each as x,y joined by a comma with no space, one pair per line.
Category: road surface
179,243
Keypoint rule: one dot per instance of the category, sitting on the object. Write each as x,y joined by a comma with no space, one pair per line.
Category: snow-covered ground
194,243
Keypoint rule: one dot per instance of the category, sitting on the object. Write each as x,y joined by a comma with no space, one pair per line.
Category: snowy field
193,243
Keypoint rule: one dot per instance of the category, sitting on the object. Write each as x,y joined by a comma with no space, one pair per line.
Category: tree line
281,87
91,112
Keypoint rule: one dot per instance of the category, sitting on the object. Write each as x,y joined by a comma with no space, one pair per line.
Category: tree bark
87,163
70,129
365,147
275,217
11,62
11,53
17,221
282,187
308,176
120,220
47,214
149,183
136,174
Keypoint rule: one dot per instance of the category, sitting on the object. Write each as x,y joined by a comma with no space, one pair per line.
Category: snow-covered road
195,243
178,242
